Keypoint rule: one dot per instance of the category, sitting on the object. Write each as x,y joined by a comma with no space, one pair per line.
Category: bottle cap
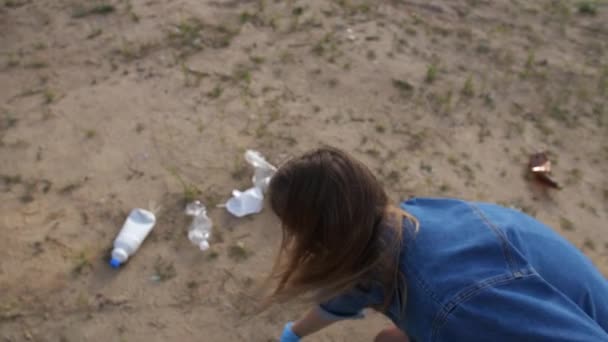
115,263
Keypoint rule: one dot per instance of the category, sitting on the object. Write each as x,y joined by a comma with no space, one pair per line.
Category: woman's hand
312,322
288,334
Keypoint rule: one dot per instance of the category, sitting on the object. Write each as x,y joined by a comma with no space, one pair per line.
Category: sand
107,106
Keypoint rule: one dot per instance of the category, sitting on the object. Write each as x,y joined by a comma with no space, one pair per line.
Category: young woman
440,269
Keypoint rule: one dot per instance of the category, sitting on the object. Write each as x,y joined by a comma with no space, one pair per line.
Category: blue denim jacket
481,272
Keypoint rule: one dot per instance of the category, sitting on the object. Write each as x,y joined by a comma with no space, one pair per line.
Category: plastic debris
251,201
263,170
199,232
350,34
540,167
134,231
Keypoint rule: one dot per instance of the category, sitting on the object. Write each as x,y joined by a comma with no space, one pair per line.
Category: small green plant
83,261
95,33
68,189
39,46
12,61
297,11
242,74
186,34
90,133
8,121
566,224
431,73
212,255
589,7
603,81
444,188
14,3
589,244
373,152
468,88
403,86
287,57
239,168
49,96
257,59
36,65
216,92
380,128
238,252
99,9
164,270
189,191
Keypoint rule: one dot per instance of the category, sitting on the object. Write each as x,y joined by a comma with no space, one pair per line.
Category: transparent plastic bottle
199,232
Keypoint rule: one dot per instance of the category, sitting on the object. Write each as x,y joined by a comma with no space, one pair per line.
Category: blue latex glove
288,335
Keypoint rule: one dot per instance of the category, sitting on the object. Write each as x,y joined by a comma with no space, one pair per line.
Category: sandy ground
106,106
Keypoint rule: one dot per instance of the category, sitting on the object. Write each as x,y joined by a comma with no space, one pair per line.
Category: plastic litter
134,231
540,167
251,201
199,231
263,170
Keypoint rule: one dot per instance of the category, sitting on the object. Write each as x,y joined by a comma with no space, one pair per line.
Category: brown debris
540,168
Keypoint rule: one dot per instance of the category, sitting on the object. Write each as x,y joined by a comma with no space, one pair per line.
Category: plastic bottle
199,232
263,170
134,231
250,201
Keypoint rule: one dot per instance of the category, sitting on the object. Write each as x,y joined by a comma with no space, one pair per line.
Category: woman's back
483,272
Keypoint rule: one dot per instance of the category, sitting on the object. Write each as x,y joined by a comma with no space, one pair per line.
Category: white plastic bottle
199,232
134,231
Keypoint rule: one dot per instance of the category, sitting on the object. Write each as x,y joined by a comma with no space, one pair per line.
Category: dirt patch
111,105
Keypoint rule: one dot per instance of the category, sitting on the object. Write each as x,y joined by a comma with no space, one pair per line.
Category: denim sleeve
523,309
349,305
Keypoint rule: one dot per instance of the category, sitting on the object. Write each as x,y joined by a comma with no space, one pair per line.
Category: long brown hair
339,230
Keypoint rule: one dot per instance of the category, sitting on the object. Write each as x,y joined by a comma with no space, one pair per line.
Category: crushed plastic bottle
263,170
251,200
246,202
199,231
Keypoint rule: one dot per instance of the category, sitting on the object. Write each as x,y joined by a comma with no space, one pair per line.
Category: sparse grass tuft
49,96
603,81
238,252
186,35
431,73
589,244
95,33
468,89
98,9
164,270
36,65
566,224
240,170
212,255
241,74
189,191
216,92
403,86
90,133
83,261
588,7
